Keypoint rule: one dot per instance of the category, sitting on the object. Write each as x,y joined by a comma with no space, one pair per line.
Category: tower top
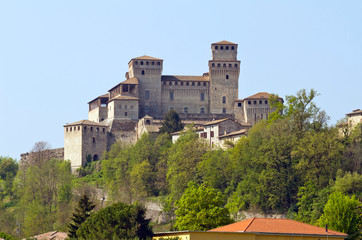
224,42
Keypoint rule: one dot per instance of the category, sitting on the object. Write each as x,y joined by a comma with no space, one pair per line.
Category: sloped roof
216,121
354,112
272,225
224,42
102,96
260,95
123,98
55,235
86,122
145,57
240,132
130,81
184,78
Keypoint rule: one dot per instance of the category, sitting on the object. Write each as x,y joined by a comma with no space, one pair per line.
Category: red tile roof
355,112
224,42
272,225
260,95
130,81
145,57
55,235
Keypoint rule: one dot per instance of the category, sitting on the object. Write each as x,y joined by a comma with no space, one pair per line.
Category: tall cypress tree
82,212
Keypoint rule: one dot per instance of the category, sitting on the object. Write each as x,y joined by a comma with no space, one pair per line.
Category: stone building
139,103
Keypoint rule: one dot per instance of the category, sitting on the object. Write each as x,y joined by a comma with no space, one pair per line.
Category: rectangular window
212,134
172,96
147,94
125,114
224,110
202,96
205,134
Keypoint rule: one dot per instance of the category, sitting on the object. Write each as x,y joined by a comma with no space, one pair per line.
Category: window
212,134
230,65
221,47
202,96
227,76
75,128
148,122
104,129
216,47
67,129
235,65
193,83
227,47
97,129
202,110
204,83
170,83
125,106
249,102
186,110
153,63
187,83
158,63
254,102
147,94
125,114
176,83
224,65
78,128
141,62
232,48
147,63
205,134
223,99
224,110
94,140
218,65
239,104
182,83
136,62
198,84
125,88
266,101
172,96
85,128
143,72
260,102
91,129
213,65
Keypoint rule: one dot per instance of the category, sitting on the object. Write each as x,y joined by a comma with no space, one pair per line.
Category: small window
91,129
235,65
94,140
204,83
260,102
125,106
70,129
230,65
254,102
158,63
147,63
67,129
193,83
221,47
223,99
143,72
182,83
239,104
170,83
97,129
85,128
136,62
224,110
232,47
198,84
187,83
227,76
172,96
227,47
205,134
202,96
125,114
212,134
249,102
153,63
147,94
141,62
266,101
202,110
218,65
75,128
104,129
148,122
176,83
186,110
216,47
213,65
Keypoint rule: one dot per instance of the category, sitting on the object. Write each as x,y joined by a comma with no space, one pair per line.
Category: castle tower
224,71
148,72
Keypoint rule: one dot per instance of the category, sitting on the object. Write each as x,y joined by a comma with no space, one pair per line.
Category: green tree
6,236
118,221
201,208
82,212
8,169
172,123
343,213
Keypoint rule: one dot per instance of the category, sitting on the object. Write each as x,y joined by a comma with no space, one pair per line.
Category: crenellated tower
148,71
224,71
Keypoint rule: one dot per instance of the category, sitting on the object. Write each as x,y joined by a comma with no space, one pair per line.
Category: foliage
118,221
201,208
343,213
44,193
6,236
8,169
172,123
82,212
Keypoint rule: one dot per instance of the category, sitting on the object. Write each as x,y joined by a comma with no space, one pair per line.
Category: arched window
141,62
249,102
221,48
227,76
216,47
94,140
235,65
227,47
232,47
260,102
224,110
136,62
230,65
224,65
266,101
158,63
143,72
186,110
223,99
148,122
147,63
95,157
213,65
202,110
218,65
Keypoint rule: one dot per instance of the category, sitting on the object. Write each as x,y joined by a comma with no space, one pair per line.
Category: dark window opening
187,83
213,65
202,96
224,65
216,47
224,100
95,157
193,83
148,122
239,104
254,102
202,110
212,134
176,83
249,102
125,106
158,63
232,47
147,63
172,96
230,65
136,62
224,110
153,63
143,72
67,129
260,102
266,101
227,47
198,84
92,129
75,128
85,128
97,129
94,140
227,76
104,130
181,83
218,65
221,48
141,62
170,83
186,110
78,128
204,83
124,88
236,65
125,114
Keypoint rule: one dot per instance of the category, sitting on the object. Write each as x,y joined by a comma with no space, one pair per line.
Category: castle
138,104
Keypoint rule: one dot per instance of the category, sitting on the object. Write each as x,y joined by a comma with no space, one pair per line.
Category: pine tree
82,212
172,123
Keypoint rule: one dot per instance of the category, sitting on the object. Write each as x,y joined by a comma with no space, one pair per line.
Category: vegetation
118,221
293,163
172,123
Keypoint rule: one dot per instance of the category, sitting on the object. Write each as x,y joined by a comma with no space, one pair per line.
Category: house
259,229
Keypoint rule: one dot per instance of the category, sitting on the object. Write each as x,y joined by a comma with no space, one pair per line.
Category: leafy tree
349,183
201,208
8,169
172,123
6,236
343,213
82,212
118,221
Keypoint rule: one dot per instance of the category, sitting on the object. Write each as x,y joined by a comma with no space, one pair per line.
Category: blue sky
57,55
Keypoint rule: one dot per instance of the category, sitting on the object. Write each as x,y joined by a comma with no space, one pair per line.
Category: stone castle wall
30,158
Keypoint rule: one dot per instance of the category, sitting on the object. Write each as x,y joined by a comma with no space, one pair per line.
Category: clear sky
57,55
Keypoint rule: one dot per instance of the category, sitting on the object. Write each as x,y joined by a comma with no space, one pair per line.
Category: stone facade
31,158
137,105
